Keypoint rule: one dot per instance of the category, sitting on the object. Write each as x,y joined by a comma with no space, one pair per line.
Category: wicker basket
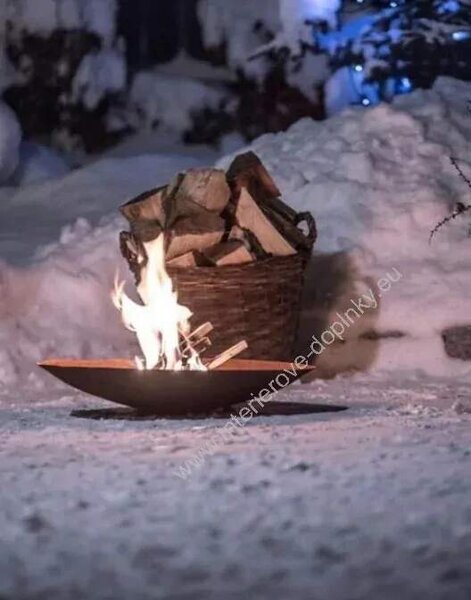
258,302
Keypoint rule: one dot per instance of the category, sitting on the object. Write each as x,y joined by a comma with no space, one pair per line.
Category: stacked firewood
211,218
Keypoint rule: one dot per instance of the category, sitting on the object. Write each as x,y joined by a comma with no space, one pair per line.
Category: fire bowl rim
234,364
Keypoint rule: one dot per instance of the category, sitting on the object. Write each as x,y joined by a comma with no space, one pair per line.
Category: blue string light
403,85
461,36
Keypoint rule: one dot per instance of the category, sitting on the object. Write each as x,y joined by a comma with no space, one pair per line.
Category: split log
250,216
197,340
133,251
250,241
194,234
190,259
247,171
232,252
237,233
148,206
277,206
227,355
289,229
207,188
178,206
201,331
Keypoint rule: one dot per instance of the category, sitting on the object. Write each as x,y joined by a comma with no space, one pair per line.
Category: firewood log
248,171
250,241
206,187
228,253
276,205
189,259
288,229
227,355
181,195
250,216
148,206
194,233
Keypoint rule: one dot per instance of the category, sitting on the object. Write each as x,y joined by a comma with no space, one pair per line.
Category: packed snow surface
367,503
377,182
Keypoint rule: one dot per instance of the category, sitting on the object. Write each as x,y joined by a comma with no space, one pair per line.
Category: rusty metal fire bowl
167,393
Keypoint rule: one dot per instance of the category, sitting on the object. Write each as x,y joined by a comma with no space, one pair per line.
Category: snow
96,16
10,138
378,181
233,23
99,74
38,163
152,99
185,66
371,502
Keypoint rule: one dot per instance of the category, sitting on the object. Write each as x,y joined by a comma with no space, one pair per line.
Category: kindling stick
227,355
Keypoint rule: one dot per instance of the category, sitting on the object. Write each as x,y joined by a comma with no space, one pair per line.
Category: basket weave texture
257,302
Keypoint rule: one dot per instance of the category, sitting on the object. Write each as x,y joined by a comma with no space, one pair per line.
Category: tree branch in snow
460,208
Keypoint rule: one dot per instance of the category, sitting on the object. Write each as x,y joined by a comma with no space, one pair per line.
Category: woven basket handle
307,218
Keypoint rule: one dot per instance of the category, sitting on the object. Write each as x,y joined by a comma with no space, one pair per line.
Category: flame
160,322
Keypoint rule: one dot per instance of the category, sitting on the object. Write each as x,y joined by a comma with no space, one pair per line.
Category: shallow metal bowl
171,392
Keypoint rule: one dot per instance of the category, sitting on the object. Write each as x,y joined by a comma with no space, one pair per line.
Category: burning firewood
227,355
197,340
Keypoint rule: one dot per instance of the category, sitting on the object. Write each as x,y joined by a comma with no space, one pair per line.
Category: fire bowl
171,392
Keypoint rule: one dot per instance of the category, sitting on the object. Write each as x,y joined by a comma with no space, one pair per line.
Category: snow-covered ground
371,502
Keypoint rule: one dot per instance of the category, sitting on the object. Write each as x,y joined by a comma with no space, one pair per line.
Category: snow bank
378,181
60,306
10,137
59,302
38,163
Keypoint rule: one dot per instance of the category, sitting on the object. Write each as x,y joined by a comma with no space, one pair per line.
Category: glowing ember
160,323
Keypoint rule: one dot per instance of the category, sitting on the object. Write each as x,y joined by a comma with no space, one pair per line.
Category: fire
160,323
